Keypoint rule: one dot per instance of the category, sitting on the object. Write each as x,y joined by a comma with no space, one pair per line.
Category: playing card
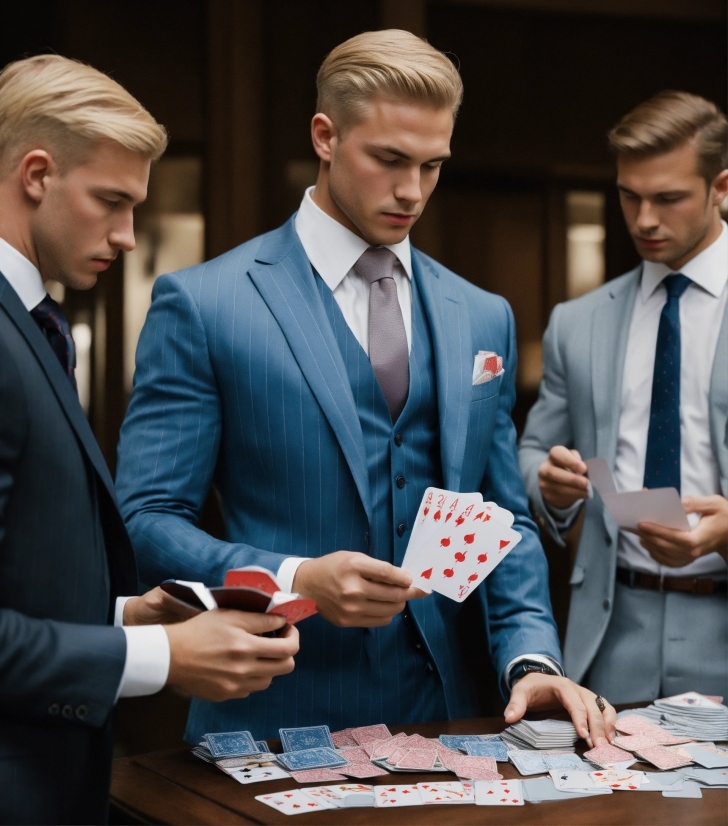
661,781
664,758
262,746
231,744
717,778
317,776
538,789
418,759
458,741
259,774
706,757
355,754
689,789
488,748
364,734
633,742
451,792
527,762
572,780
499,793
388,797
691,699
565,762
343,795
319,758
606,756
293,802
363,770
618,780
309,737
342,739
632,724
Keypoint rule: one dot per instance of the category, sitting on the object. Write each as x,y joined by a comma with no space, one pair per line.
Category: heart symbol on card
288,795
514,800
478,516
504,800
425,511
448,572
504,543
469,538
445,543
491,792
507,791
426,574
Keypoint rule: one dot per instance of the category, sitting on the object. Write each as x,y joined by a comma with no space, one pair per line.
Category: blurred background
526,207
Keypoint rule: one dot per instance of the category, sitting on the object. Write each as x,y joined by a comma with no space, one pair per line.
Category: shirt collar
708,270
22,276
333,249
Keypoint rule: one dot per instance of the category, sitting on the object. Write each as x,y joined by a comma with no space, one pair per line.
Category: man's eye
389,162
109,203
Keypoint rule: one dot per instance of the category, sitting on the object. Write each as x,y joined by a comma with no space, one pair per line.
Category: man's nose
647,218
408,187
122,234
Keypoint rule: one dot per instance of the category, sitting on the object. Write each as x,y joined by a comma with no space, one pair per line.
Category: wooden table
176,788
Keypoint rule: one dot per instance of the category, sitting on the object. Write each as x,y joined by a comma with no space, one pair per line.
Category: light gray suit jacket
578,406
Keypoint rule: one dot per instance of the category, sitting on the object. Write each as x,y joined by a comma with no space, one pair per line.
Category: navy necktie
49,316
662,461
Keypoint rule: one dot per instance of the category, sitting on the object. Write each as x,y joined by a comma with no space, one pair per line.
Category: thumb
250,622
517,705
689,504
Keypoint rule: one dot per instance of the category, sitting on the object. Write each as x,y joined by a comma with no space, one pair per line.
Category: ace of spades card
457,554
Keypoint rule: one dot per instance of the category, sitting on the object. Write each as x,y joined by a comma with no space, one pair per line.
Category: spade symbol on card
469,538
482,558
448,572
460,556
426,574
445,543
459,521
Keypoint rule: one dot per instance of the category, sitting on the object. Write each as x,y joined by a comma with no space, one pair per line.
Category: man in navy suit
75,151
320,376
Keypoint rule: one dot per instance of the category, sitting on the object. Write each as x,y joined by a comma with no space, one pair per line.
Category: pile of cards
456,541
318,798
541,734
230,744
692,715
530,762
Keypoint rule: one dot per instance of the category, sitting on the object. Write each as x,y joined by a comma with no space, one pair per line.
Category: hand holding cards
457,540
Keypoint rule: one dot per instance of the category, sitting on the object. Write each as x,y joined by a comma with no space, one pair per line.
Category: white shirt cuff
147,660
287,572
564,517
536,658
119,611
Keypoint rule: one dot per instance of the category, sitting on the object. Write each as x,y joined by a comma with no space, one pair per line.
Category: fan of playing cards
457,540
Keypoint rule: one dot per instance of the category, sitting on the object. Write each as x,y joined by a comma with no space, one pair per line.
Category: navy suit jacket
240,382
64,556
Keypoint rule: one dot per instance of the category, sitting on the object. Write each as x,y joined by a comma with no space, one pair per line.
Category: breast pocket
487,390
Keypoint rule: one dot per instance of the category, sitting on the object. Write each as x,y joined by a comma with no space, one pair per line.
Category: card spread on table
606,756
319,758
446,793
664,758
317,776
618,779
365,734
389,797
308,737
488,748
456,541
293,802
499,793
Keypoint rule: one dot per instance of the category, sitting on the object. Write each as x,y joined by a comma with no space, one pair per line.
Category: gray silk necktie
388,351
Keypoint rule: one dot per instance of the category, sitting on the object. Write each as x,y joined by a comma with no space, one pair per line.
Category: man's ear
323,134
720,187
34,168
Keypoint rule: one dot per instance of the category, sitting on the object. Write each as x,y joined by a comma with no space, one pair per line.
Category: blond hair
49,99
670,119
393,64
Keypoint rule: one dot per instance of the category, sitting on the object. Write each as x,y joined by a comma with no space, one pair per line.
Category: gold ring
599,700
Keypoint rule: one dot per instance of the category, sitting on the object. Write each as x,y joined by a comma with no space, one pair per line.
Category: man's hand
540,691
562,478
217,655
353,590
157,607
678,548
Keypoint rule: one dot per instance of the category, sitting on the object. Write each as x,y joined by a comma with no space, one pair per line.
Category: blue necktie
662,462
49,316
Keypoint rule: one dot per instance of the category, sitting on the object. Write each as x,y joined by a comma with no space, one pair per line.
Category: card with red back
389,797
396,755
499,793
355,754
316,776
295,610
606,756
664,758
633,724
342,739
632,742
418,759
365,734
362,770
252,577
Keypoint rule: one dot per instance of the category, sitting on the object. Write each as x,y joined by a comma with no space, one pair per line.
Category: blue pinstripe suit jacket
240,383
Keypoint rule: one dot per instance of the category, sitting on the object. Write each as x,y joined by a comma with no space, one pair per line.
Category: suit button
398,439
81,712
401,528
67,712
418,646
54,709
606,604
400,480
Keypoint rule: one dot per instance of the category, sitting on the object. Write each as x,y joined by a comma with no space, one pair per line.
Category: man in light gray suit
637,372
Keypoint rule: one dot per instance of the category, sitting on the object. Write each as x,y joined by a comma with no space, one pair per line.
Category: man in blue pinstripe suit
321,403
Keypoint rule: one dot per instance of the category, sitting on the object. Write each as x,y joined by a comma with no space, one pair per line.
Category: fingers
595,720
610,721
517,704
252,623
569,459
174,609
376,570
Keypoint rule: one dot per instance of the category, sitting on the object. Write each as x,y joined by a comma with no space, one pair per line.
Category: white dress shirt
333,250
147,646
702,309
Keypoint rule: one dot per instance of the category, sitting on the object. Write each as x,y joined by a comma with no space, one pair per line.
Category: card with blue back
262,746
231,744
321,758
459,741
488,748
308,737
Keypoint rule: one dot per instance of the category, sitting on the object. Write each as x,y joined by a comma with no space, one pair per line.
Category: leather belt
681,584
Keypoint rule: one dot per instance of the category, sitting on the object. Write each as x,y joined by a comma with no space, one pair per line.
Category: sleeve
47,668
548,424
169,446
519,618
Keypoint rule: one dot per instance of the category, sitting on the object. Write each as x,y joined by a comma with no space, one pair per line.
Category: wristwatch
530,667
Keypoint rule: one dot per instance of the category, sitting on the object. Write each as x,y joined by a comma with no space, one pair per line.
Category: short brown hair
670,119
392,63
49,99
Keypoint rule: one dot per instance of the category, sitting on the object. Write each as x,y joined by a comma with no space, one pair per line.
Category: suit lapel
718,402
610,331
451,342
57,379
284,278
